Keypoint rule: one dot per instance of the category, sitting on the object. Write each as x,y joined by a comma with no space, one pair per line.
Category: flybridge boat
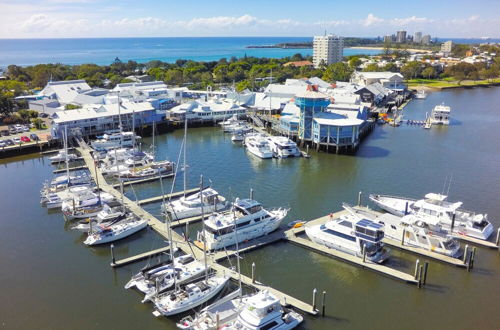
115,140
62,155
189,296
421,94
258,145
135,159
258,311
350,235
417,233
440,115
434,205
107,234
247,216
283,147
107,216
191,205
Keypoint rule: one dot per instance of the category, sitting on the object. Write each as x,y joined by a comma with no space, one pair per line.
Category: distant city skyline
193,18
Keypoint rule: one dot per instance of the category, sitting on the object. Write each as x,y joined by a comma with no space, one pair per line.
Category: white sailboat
61,156
191,205
107,216
107,234
436,206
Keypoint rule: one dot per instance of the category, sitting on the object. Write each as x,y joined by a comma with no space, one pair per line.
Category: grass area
450,83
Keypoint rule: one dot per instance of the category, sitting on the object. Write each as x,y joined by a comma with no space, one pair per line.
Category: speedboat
258,311
350,235
107,234
417,232
466,223
247,216
258,145
420,94
189,296
191,205
238,137
283,147
115,140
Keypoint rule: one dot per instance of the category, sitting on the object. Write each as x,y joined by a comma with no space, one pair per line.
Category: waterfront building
199,111
310,103
417,38
374,93
401,37
426,39
327,49
390,80
446,47
93,119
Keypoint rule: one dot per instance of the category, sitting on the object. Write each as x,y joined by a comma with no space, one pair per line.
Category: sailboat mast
185,142
204,230
237,251
65,142
154,153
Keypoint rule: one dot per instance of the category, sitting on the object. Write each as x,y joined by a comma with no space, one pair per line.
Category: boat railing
391,196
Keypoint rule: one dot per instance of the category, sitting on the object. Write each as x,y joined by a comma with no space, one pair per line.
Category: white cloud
371,20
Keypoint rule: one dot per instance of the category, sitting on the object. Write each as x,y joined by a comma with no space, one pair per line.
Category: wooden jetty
476,241
153,178
180,242
54,151
78,159
122,262
160,198
74,168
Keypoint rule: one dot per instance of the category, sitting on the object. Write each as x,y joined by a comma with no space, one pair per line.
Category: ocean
104,50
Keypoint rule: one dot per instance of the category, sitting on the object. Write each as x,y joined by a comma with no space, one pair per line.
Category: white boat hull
95,239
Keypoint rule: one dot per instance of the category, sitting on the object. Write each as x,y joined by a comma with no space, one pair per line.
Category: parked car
34,137
5,132
12,130
9,142
24,138
3,144
26,128
44,115
16,140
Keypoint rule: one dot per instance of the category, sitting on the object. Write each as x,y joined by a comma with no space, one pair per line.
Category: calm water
104,50
50,280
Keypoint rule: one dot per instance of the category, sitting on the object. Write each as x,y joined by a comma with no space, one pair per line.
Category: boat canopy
436,197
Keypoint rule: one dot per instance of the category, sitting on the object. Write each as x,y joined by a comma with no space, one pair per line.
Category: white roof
211,105
380,75
338,118
90,111
311,95
65,91
269,102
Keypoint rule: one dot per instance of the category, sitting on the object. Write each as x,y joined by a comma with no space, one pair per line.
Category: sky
193,18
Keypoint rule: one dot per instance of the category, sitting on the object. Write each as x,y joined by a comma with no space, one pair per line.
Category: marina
288,268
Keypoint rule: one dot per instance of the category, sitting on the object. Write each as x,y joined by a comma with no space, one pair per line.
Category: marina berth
107,216
107,234
416,232
55,199
258,145
246,220
62,156
435,206
151,170
440,115
283,147
351,235
191,205
188,296
86,205
115,140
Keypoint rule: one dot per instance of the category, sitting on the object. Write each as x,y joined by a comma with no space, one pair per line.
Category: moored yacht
283,147
107,216
115,140
247,216
258,145
440,115
61,156
191,205
107,234
350,235
434,205
152,170
420,94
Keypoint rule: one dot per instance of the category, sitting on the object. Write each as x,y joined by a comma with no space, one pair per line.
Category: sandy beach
382,48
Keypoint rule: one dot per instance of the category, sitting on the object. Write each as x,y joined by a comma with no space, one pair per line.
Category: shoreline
412,50
465,84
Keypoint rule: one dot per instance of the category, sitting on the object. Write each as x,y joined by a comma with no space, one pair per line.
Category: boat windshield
449,244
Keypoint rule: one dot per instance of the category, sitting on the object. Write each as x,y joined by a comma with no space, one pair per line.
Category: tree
390,67
338,72
220,73
411,69
242,85
429,72
6,104
12,88
174,77
354,62
38,122
372,67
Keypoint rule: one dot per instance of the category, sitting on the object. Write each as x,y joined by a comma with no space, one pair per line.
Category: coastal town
295,190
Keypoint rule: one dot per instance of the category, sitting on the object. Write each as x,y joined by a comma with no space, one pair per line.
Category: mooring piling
112,253
253,272
323,304
359,198
426,268
417,263
314,298
466,252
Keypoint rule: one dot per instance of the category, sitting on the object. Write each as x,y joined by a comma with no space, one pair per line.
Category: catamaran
351,235
434,205
107,234
247,216
258,145
190,206
283,147
417,233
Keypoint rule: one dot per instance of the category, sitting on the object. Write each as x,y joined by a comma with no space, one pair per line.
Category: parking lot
23,136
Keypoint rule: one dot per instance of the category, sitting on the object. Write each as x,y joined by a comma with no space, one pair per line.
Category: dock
126,261
74,168
54,151
180,242
56,162
161,197
153,178
292,236
476,241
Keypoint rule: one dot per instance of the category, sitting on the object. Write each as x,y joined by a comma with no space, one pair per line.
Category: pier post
403,237
251,193
498,237
406,208
157,285
359,198
364,253
453,222
186,234
426,268
417,263
420,271
112,253
314,299
466,251
307,149
253,272
323,304
217,320
472,257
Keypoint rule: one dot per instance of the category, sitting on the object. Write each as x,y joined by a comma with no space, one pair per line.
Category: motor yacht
191,205
258,145
283,147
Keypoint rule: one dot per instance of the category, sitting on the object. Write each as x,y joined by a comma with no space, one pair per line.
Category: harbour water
50,280
103,51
